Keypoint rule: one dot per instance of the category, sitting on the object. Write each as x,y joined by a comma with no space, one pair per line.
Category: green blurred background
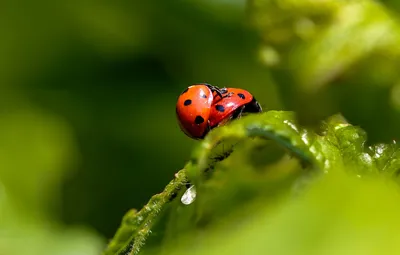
88,91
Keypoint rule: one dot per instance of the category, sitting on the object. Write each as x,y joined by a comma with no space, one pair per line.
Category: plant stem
136,226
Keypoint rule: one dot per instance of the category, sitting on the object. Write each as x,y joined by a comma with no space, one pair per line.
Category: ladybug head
253,106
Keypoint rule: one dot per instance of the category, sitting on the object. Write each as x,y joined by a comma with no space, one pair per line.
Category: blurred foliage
88,129
336,55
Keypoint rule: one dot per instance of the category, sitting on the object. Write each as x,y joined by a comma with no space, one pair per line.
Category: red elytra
234,103
202,107
193,109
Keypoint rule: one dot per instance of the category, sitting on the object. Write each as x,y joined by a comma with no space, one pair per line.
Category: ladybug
232,106
193,108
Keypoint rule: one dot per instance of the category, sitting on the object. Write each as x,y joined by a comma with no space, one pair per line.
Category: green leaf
338,214
269,162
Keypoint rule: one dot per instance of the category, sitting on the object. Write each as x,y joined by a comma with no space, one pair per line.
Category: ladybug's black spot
185,91
187,102
220,108
241,96
198,120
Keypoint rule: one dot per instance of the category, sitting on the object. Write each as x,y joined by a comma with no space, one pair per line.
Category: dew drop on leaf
189,196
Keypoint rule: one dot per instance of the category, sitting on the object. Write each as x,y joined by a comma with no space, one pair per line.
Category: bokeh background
88,91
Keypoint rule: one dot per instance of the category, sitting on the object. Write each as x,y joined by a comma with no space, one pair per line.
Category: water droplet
189,196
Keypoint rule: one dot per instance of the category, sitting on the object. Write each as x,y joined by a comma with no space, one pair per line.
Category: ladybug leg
225,92
253,107
213,88
208,128
228,95
220,92
217,90
238,113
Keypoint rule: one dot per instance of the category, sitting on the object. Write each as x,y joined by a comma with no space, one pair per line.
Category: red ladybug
194,106
232,106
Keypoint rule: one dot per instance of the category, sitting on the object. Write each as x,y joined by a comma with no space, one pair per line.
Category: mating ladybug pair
202,107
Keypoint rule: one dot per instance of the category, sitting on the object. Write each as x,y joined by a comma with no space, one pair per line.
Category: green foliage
278,176
327,53
30,186
88,127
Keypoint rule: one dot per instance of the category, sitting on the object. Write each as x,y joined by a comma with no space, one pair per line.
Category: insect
232,106
202,107
193,108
